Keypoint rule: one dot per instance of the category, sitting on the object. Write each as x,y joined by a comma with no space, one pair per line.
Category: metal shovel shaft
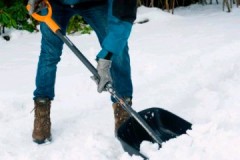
75,50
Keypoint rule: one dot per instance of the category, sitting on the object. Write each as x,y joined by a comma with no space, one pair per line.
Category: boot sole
43,140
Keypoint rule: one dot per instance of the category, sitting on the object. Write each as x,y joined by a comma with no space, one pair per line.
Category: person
112,21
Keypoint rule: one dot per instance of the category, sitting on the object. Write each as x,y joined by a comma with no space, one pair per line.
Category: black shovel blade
164,123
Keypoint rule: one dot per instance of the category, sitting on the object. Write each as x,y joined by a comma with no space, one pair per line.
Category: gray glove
103,69
35,5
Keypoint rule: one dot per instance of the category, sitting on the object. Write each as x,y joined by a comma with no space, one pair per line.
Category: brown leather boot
120,115
42,123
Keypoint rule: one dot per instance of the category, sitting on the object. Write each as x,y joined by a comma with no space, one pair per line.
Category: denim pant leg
121,74
51,50
96,17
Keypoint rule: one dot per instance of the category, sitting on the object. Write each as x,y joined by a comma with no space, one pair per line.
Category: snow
186,63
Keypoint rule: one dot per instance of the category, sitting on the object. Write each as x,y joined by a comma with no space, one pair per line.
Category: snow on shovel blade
164,123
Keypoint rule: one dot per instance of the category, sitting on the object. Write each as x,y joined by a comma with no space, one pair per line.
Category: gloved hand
35,5
103,69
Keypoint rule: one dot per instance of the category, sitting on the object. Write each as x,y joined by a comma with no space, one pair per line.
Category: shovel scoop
164,123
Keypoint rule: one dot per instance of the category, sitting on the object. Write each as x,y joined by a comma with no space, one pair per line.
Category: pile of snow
187,63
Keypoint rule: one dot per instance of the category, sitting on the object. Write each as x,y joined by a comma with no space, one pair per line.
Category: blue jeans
51,50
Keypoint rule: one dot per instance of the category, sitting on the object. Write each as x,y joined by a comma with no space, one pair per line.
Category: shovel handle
46,18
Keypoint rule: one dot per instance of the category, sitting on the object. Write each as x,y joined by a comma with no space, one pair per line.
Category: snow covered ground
187,63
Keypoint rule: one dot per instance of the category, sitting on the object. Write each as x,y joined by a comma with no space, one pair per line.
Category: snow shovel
154,124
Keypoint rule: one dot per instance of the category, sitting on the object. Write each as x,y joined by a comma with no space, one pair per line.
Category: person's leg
51,50
121,74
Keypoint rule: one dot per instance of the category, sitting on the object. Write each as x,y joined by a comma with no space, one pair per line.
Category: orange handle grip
46,18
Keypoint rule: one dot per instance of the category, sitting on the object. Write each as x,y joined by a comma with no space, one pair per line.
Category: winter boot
42,123
120,115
